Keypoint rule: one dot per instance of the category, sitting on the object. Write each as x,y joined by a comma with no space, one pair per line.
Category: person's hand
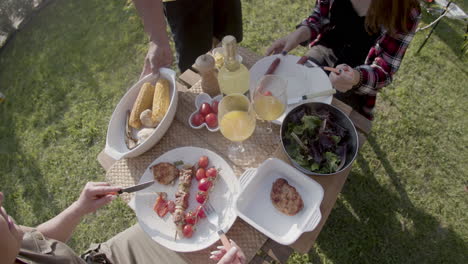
95,195
158,56
229,256
345,80
289,42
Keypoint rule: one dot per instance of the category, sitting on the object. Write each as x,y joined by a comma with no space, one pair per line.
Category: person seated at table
46,242
196,25
366,39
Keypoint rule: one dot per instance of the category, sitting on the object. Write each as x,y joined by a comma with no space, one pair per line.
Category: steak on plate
165,172
285,197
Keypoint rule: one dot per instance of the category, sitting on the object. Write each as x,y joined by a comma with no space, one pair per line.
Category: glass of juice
270,99
236,119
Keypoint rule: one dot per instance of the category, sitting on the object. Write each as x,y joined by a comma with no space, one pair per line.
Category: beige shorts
131,246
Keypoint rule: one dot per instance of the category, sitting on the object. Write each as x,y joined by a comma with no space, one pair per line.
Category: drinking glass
236,119
270,99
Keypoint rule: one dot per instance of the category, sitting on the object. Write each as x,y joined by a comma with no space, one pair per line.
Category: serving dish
162,230
341,119
301,80
254,205
115,139
199,100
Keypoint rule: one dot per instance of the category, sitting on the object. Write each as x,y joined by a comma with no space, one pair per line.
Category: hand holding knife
134,188
306,61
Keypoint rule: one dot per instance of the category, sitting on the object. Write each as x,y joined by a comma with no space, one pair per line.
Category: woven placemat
258,147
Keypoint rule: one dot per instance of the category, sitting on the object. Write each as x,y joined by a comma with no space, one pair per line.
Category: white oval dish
300,79
162,230
115,139
253,204
199,100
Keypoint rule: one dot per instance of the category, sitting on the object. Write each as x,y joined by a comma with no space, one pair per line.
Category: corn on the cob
143,102
161,100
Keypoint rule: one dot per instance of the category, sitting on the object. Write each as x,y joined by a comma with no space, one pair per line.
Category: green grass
404,201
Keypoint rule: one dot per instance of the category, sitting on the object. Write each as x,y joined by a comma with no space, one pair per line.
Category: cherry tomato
214,107
200,174
205,109
197,119
190,218
211,173
211,120
201,197
188,231
171,206
203,162
200,212
267,93
205,184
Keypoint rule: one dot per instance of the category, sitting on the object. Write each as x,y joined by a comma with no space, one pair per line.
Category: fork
214,219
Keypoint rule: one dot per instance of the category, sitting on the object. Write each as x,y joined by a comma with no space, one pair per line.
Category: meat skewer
181,199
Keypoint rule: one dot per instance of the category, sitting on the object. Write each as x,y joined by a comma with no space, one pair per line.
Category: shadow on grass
449,31
21,181
374,225
42,81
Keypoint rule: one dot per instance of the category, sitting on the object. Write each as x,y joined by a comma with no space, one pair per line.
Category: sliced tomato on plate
160,206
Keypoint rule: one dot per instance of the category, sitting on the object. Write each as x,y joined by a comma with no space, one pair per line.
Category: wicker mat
258,147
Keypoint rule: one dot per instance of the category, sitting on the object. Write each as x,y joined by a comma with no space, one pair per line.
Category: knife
310,96
309,62
137,187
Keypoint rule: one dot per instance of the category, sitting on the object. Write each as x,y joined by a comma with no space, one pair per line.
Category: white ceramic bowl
254,204
199,100
115,140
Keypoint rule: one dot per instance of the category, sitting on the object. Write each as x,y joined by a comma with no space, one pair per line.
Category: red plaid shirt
384,57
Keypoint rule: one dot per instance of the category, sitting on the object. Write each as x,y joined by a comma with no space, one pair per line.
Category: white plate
162,230
115,140
301,79
255,207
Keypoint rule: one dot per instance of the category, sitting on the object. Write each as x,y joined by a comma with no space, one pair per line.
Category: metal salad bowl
351,140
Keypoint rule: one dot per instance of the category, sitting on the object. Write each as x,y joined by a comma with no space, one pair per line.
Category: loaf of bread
144,101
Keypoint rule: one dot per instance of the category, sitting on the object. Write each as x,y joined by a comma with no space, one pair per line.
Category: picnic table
257,247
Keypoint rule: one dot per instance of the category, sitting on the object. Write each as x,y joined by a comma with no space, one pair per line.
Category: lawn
405,200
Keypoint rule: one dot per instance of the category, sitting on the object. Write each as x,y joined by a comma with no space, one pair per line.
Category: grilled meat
285,197
181,201
165,172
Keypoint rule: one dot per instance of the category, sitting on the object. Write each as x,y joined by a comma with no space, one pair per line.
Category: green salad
315,141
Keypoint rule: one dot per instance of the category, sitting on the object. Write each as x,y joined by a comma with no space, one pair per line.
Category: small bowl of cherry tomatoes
206,114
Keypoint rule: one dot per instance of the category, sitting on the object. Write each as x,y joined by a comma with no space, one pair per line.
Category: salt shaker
205,64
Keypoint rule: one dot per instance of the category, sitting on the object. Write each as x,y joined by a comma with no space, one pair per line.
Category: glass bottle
233,76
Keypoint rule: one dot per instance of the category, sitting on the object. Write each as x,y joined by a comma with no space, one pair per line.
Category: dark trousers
194,23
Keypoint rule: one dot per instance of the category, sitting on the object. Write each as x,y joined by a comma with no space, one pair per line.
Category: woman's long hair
392,15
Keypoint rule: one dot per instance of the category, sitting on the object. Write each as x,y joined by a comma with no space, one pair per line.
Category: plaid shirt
383,59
